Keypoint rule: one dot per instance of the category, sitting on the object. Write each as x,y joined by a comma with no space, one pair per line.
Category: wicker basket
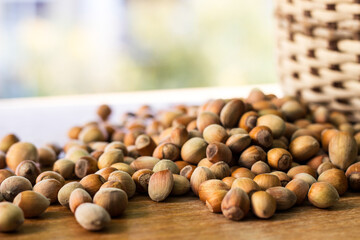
319,52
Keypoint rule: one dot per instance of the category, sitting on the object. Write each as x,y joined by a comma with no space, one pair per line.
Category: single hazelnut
336,178
279,159
342,150
141,178
220,170
300,188
92,183
205,119
19,152
50,175
125,179
14,185
160,185
263,204
230,114
260,167
187,171
166,164
110,157
167,151
144,163
200,175
323,195
181,185
7,141
216,152
92,217
303,148
251,155
65,167
261,136
65,192
284,197
49,188
32,203
11,218
215,133
113,200
246,184
238,142
194,150
77,197
275,123
47,156
243,172
29,170
267,180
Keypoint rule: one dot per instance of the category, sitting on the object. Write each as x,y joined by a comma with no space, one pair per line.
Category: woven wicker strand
319,52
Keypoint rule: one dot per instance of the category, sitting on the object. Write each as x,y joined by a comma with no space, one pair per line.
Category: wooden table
43,120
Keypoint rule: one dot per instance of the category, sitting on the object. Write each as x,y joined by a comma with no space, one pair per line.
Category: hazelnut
181,185
230,114
267,180
144,163
228,181
303,148
243,172
50,175
342,150
260,167
215,133
49,188
160,185
261,136
65,192
220,170
14,185
12,217
275,123
216,152
246,184
141,179
113,200
65,168
32,203
47,156
125,179
77,197
187,171
284,197
200,175
263,204
323,195
29,170
300,188
279,159
166,164
7,141
335,177
19,152
92,217
238,142
205,119
167,151
251,155
110,157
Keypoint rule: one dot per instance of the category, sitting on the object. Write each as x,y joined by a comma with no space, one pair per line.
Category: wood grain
188,218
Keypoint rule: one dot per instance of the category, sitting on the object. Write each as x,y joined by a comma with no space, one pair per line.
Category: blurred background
62,47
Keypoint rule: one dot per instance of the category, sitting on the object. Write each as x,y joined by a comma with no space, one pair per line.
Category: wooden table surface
188,218
43,120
